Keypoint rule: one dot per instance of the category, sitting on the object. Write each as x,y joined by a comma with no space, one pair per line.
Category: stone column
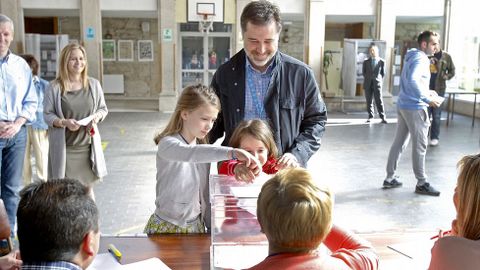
167,44
91,36
13,9
315,36
446,25
238,28
385,20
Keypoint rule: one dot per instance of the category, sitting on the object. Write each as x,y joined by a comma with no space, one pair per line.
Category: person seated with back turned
296,216
57,225
461,248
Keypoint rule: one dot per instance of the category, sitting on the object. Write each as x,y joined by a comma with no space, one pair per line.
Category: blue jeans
436,114
12,155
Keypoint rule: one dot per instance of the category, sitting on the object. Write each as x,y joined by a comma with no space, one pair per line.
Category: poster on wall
108,49
145,50
125,50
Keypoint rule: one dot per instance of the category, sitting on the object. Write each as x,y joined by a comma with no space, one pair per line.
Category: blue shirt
40,85
59,265
18,97
256,87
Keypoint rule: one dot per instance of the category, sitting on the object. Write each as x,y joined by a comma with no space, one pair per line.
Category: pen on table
443,234
115,252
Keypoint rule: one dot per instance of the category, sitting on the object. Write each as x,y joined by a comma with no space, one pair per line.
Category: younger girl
183,163
254,136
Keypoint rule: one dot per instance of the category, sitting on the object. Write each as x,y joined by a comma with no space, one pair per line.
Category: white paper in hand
85,121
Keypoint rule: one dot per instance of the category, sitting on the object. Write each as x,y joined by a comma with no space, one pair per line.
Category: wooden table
193,251
451,103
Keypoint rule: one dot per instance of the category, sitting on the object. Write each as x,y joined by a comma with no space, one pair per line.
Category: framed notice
108,48
125,50
145,50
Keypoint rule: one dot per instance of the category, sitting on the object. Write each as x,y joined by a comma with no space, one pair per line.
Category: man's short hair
426,36
293,212
260,13
6,19
53,219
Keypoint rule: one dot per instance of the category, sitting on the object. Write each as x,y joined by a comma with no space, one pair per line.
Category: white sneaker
434,142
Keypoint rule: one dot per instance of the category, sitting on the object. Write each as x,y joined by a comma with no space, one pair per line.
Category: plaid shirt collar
57,265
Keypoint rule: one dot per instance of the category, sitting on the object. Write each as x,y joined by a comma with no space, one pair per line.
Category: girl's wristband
234,157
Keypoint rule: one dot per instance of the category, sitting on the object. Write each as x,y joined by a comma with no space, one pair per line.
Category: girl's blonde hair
293,211
63,78
259,130
192,98
468,192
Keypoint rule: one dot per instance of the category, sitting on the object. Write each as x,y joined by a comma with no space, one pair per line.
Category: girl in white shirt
461,248
183,164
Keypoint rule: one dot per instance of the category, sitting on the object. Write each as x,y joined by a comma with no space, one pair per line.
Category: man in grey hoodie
413,120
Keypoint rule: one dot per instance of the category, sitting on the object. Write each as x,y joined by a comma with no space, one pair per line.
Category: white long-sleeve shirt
182,170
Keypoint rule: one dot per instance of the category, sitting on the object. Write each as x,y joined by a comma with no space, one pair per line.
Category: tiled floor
351,161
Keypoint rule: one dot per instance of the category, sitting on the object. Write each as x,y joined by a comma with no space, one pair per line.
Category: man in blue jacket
261,82
413,120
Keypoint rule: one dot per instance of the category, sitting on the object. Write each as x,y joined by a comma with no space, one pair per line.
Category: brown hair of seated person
294,213
467,198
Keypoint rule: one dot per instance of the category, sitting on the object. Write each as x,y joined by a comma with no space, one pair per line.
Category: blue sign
90,33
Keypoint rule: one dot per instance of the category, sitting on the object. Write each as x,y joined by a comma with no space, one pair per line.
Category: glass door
201,54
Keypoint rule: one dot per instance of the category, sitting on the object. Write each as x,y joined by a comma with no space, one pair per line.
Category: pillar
167,44
315,36
385,20
91,36
13,9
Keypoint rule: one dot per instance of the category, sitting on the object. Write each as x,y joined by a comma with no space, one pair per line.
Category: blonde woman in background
460,248
75,148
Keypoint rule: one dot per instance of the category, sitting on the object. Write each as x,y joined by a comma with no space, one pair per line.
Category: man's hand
434,103
288,160
10,261
9,130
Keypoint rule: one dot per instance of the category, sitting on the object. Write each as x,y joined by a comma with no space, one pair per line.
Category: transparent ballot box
237,242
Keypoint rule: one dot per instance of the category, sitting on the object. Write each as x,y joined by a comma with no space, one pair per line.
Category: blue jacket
40,86
414,83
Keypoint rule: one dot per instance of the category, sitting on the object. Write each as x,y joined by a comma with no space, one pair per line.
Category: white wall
423,8
291,6
51,4
148,5
349,7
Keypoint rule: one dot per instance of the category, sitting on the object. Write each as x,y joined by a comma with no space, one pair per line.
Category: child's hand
288,160
250,161
243,173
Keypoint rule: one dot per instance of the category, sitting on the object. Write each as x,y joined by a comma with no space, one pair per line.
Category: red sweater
348,252
227,167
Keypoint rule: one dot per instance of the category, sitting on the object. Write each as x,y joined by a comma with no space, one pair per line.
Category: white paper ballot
106,261
85,121
149,264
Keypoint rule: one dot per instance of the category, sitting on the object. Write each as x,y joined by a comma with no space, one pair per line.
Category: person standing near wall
373,73
75,148
37,138
413,121
441,70
18,104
